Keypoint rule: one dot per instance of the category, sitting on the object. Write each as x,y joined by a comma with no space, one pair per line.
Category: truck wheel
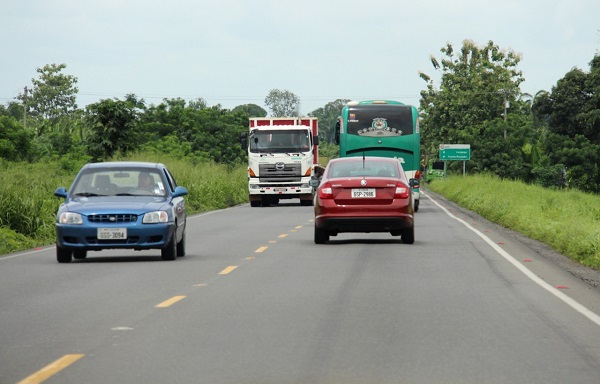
321,236
255,203
63,255
416,205
266,202
306,203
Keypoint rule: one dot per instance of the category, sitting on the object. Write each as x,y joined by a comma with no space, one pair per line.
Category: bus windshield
380,120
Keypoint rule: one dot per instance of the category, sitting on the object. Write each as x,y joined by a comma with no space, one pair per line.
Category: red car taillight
402,191
325,191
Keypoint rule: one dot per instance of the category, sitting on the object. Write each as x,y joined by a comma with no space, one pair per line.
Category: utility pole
506,105
25,108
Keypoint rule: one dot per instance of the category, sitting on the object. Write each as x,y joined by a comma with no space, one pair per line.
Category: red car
364,194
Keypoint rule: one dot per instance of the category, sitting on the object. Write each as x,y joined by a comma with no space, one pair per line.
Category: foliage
210,133
568,221
15,141
53,96
572,112
282,103
474,85
328,116
252,110
113,126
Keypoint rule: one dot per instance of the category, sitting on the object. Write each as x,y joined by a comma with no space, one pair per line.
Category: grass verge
566,220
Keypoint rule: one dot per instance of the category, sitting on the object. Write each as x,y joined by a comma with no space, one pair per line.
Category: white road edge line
594,317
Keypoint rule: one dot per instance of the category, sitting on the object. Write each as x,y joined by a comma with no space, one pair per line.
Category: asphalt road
256,301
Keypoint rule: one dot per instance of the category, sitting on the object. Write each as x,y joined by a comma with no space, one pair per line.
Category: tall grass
28,205
566,220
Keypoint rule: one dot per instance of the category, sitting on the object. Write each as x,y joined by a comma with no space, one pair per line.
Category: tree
252,110
282,103
53,96
15,141
113,125
328,116
475,83
572,114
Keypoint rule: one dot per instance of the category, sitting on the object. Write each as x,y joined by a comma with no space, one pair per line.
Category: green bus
383,128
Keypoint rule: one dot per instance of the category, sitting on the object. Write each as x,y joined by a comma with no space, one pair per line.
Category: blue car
121,205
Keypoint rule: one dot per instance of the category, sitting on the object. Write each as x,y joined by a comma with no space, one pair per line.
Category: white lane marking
594,317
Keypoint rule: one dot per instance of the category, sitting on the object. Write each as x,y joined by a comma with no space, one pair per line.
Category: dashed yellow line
261,249
51,369
171,301
282,236
228,270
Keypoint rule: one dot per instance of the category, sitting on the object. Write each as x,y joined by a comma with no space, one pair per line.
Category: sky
233,52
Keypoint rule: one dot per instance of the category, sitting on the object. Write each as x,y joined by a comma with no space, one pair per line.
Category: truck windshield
279,141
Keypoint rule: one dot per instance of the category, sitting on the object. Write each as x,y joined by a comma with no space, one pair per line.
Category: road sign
455,152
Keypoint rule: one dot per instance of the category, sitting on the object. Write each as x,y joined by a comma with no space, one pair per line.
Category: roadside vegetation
566,220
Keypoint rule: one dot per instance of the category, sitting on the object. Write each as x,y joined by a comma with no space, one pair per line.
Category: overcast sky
232,52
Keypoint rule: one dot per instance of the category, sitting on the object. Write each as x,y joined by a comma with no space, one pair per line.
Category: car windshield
119,182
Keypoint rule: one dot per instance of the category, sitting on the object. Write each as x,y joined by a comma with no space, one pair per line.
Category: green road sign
455,152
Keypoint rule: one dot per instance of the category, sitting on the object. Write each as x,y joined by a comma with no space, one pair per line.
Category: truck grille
280,172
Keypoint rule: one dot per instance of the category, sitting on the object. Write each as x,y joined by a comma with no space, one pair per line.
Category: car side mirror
61,192
414,183
180,191
314,183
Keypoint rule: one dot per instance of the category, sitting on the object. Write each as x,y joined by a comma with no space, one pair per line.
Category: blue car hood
109,204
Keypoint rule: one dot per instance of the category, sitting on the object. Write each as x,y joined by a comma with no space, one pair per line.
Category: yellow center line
51,369
284,235
300,226
261,249
171,301
228,270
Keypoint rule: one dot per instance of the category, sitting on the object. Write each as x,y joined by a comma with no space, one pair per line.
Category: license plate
279,189
112,233
363,192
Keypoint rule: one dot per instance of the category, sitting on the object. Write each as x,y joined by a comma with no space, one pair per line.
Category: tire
408,235
321,236
181,246
170,252
63,255
80,254
255,203
416,205
266,202
306,203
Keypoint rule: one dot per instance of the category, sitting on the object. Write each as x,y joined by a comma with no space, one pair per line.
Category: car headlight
155,217
70,218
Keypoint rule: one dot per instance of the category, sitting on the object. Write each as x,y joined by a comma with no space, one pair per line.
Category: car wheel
321,236
181,246
408,235
80,254
63,255
416,205
170,252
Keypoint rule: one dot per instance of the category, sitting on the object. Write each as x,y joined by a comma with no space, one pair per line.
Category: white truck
282,158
